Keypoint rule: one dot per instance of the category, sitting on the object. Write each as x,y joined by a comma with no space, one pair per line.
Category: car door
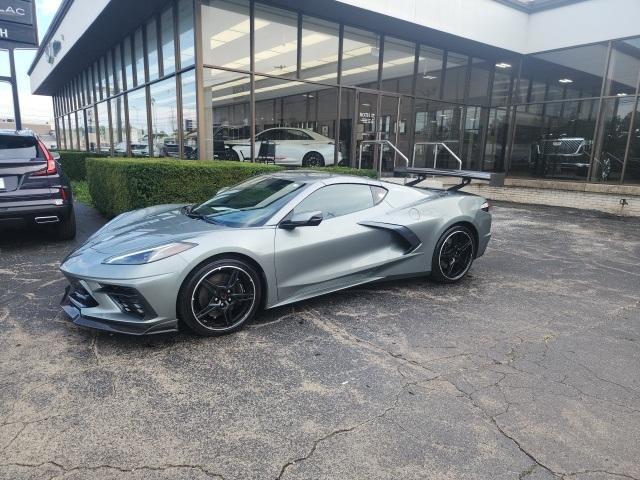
296,144
339,252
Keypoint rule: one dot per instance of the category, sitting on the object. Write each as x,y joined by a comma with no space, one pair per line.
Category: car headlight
149,255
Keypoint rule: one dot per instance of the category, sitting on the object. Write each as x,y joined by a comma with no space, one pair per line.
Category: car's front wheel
220,297
453,255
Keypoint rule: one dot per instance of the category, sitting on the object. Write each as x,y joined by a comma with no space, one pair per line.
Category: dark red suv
33,189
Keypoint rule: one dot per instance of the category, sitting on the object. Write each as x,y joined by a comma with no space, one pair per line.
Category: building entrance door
376,119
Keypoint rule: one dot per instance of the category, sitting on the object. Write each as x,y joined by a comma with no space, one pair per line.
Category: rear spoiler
465,176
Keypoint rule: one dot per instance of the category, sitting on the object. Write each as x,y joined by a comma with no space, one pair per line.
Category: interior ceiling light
429,77
622,94
565,80
503,65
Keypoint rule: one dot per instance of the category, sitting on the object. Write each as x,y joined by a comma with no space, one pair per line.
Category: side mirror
304,219
56,156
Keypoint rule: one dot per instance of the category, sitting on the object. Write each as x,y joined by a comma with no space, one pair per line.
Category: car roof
17,133
314,176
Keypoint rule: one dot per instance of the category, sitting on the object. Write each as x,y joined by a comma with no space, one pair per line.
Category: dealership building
538,89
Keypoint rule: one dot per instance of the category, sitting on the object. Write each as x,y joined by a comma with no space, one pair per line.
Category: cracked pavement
527,369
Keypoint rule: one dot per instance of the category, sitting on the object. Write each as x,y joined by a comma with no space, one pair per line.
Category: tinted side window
296,135
13,147
270,135
337,200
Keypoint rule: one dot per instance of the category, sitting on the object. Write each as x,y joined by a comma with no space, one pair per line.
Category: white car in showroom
287,146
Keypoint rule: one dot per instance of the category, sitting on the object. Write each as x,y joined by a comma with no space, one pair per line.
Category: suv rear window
16,148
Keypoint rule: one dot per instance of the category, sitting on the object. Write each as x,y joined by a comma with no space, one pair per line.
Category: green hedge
118,185
74,163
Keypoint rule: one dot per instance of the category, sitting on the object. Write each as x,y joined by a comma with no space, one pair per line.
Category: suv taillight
51,168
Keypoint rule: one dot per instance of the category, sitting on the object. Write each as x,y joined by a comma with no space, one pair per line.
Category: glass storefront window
398,66
455,77
225,33
80,130
118,126
624,68
570,73
118,84
164,118
97,80
92,131
429,72
151,30
167,41
360,57
475,124
128,65
632,169
437,122
479,82
497,137
320,45
186,32
189,116
502,81
276,41
104,129
138,128
613,134
107,73
138,48
227,119
69,135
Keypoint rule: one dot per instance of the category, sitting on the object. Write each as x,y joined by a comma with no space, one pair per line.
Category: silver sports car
267,242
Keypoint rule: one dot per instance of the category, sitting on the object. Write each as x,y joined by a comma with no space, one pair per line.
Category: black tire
232,155
313,159
67,229
453,255
213,302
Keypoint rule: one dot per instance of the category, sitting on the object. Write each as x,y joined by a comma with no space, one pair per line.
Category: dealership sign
18,24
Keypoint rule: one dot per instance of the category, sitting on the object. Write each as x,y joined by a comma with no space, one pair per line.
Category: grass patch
81,193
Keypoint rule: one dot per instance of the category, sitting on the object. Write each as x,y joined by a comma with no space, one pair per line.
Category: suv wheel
67,229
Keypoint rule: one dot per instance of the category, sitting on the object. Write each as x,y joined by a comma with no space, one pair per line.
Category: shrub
118,185
74,163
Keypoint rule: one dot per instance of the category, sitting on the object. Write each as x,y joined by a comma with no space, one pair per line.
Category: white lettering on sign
4,33
14,11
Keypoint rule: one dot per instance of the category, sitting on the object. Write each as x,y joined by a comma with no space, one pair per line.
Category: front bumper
129,326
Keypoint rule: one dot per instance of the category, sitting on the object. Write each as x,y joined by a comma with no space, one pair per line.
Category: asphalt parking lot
529,368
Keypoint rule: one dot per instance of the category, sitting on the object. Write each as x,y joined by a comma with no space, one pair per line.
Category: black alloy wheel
313,159
453,255
220,297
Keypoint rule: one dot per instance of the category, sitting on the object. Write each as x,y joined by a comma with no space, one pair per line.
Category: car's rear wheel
220,297
233,155
313,159
67,229
453,255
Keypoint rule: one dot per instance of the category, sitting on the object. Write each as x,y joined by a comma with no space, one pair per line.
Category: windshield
249,204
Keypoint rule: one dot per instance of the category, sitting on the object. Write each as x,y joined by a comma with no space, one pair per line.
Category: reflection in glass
554,140
429,72
128,66
118,80
189,116
320,44
185,30
92,131
624,68
437,122
118,126
167,42
632,169
97,80
151,31
104,130
474,126
612,139
227,117
138,48
164,118
138,128
80,130
497,135
361,52
276,40
502,80
479,82
69,128
455,77
398,65
225,33
106,67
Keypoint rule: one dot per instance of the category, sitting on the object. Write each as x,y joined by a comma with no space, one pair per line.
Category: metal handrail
435,154
379,142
